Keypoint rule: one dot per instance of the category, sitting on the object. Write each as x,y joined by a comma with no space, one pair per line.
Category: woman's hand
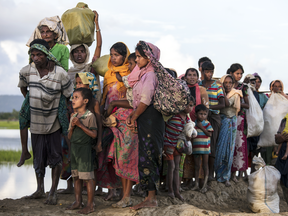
96,16
246,80
119,77
110,109
280,138
130,122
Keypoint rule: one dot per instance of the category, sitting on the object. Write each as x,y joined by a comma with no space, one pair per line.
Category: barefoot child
201,145
174,126
82,135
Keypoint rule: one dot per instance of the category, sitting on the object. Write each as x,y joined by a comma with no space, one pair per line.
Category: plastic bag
184,146
274,111
262,190
101,65
254,116
79,24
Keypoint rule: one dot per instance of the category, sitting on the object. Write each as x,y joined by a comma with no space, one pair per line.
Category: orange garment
110,76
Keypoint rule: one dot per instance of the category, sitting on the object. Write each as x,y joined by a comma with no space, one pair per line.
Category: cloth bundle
184,146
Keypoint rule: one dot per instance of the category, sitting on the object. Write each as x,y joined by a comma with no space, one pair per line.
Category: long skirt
215,121
151,129
225,148
240,159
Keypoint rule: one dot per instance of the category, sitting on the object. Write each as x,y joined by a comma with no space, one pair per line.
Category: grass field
9,124
13,156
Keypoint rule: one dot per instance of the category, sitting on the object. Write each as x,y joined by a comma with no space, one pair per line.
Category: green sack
101,65
79,24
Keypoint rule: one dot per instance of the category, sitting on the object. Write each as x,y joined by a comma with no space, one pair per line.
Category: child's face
78,101
237,75
208,74
141,61
116,58
132,64
201,115
258,83
228,84
79,54
191,77
189,107
79,83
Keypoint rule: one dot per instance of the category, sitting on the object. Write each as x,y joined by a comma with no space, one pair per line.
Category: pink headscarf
154,55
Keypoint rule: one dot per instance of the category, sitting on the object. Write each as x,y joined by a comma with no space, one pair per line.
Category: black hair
40,41
171,72
200,107
120,48
258,78
191,98
234,67
207,65
203,59
193,70
141,51
132,56
86,94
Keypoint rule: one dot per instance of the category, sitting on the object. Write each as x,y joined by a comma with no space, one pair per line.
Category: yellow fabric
109,121
238,93
110,75
286,125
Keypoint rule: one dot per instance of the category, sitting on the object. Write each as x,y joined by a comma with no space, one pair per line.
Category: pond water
16,182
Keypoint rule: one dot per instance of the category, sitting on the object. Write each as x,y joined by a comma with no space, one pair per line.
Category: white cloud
151,34
13,49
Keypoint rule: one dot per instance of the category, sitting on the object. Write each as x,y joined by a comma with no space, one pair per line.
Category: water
16,182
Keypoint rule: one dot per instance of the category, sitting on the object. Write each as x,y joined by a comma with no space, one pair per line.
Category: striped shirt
214,92
201,143
44,96
174,126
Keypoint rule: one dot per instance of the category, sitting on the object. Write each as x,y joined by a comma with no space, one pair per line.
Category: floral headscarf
88,78
43,49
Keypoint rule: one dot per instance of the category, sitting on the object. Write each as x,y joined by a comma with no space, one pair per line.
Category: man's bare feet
75,205
37,195
227,184
171,194
178,195
145,204
24,156
86,210
52,199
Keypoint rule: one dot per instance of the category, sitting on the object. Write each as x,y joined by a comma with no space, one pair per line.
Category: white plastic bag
262,190
274,111
254,116
184,146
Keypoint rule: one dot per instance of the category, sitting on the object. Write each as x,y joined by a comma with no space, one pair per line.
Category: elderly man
46,81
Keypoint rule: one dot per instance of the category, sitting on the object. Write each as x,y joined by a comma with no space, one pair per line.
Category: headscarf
88,78
153,54
110,75
237,93
43,49
54,24
281,83
78,67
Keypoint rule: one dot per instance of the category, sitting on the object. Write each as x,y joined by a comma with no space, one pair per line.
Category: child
174,126
200,62
201,145
216,102
82,132
227,136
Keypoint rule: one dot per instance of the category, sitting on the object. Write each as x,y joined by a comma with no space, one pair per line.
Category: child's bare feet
36,195
145,204
52,199
203,189
227,184
235,179
111,194
75,205
24,156
171,195
284,157
86,210
178,195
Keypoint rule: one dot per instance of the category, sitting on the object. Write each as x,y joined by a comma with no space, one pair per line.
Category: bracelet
97,30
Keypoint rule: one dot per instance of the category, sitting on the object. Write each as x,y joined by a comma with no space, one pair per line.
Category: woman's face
258,83
276,88
79,54
116,58
47,34
79,83
228,84
237,75
141,61
191,77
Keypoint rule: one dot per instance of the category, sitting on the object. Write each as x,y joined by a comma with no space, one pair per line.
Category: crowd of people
113,137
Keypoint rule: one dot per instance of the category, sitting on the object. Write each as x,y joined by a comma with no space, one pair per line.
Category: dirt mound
219,200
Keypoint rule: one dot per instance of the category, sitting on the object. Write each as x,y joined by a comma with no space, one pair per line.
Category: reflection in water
10,139
17,182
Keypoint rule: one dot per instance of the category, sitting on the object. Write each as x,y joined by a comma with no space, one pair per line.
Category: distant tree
14,115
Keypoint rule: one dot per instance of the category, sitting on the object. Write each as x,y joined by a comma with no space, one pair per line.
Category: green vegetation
13,156
14,115
9,124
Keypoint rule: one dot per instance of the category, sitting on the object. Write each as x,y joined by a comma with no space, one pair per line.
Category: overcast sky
252,33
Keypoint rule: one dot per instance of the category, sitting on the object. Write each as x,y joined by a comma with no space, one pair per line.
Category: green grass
9,124
13,156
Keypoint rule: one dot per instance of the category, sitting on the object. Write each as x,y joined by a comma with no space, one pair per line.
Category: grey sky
252,33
